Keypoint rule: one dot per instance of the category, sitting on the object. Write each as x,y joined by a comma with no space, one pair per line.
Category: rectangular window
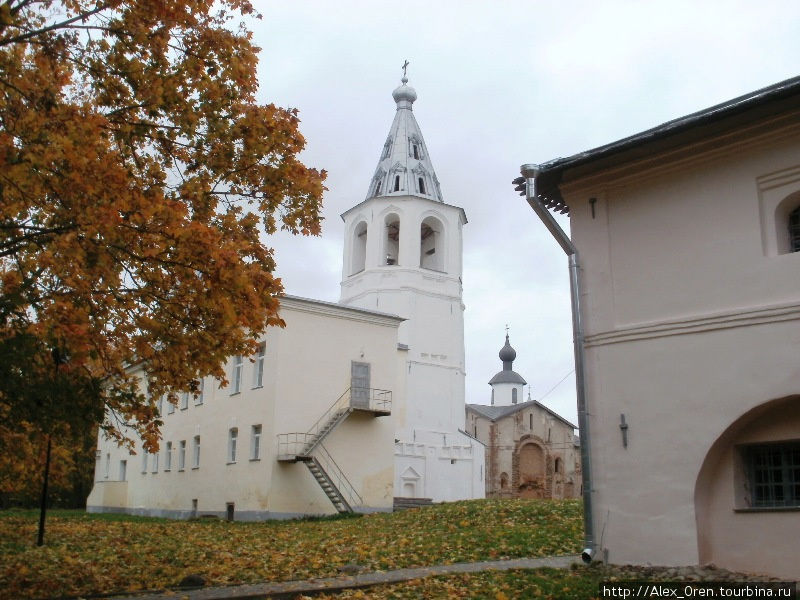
168,457
200,388
255,443
170,407
774,474
184,400
233,436
155,462
258,368
144,461
236,375
196,453
123,470
181,455
161,406
108,464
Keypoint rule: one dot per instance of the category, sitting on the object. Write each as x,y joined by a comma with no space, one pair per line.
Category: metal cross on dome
405,66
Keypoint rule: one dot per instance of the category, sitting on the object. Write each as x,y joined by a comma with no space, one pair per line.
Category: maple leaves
93,554
138,178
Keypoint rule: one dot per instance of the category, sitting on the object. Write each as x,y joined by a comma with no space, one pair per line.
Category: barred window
794,230
774,474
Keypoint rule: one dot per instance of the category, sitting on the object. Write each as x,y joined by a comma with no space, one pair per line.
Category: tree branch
62,25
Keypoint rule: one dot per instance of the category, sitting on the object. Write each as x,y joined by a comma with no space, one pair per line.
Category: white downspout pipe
529,172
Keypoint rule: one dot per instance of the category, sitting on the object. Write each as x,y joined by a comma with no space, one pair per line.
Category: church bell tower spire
403,255
404,167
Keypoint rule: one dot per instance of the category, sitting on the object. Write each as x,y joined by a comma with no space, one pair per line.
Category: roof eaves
550,174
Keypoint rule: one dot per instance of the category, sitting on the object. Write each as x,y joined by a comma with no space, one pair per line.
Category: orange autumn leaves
101,555
139,177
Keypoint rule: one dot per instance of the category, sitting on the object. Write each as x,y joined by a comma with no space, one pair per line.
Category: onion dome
404,95
507,354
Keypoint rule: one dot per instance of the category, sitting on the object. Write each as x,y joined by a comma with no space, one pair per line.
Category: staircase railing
341,403
291,445
337,476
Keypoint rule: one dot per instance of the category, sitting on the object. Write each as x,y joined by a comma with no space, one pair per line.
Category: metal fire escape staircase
307,447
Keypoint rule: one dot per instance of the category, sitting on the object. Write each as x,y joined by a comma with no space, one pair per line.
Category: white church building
366,393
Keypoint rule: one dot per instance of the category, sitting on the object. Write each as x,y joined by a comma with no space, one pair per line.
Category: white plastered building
353,403
687,241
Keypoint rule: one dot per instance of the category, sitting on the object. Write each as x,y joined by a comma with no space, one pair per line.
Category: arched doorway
532,471
747,493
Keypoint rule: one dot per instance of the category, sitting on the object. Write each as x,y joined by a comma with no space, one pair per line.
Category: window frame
196,452
198,400
762,476
255,442
233,439
236,374
258,366
182,455
793,225
168,456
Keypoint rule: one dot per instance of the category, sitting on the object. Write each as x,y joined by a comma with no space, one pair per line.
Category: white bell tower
403,255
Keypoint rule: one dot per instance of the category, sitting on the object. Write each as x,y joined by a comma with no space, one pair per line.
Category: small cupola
404,95
507,385
507,354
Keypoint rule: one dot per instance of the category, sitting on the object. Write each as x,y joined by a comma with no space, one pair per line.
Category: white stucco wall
692,320
307,367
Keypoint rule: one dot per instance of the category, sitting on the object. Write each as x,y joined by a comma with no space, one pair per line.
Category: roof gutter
530,172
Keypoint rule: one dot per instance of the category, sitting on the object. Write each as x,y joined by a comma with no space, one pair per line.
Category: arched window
397,183
787,224
794,230
421,182
378,188
431,255
513,395
391,240
416,152
359,250
557,466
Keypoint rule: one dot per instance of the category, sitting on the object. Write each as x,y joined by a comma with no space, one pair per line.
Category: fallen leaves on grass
544,584
92,554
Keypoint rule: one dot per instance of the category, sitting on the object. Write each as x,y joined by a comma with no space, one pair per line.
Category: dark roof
507,376
767,101
493,413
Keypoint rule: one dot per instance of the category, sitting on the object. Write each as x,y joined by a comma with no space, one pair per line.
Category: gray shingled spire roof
405,167
507,354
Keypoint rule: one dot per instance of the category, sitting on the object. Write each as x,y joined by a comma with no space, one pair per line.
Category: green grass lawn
546,584
104,554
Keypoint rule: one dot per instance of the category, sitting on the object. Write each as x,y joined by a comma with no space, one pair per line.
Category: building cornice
435,205
697,324
660,164
341,311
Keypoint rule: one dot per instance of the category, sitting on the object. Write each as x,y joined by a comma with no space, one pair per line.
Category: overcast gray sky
500,84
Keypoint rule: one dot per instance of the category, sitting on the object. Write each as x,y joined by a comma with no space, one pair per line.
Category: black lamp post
59,358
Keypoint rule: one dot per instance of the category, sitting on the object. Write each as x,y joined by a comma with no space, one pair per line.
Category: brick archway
533,470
